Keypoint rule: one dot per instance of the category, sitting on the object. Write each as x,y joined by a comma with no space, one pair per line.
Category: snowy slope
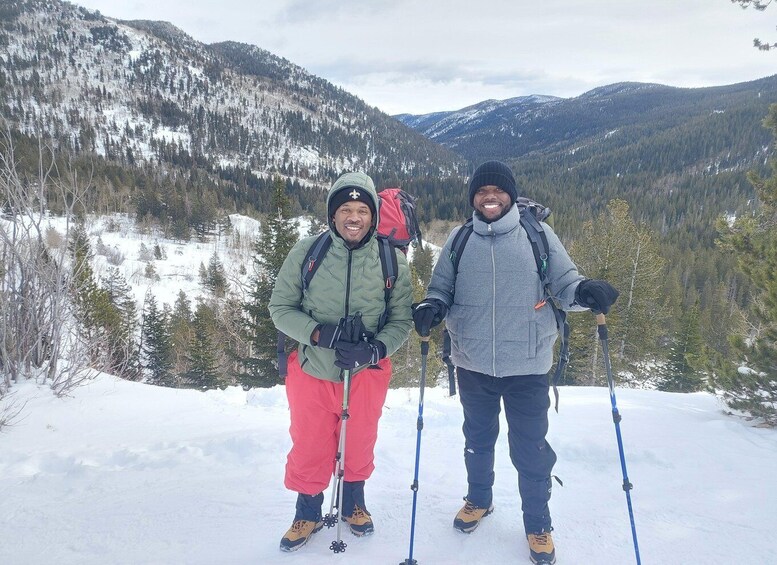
117,243
126,473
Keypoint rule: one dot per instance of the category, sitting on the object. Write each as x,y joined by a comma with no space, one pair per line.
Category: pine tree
203,370
83,279
684,371
156,344
121,326
215,276
753,386
625,254
99,318
181,335
278,236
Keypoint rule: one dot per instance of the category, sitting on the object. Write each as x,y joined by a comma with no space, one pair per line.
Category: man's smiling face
353,220
492,202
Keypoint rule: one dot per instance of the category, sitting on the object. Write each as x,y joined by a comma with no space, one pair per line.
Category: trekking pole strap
446,357
280,350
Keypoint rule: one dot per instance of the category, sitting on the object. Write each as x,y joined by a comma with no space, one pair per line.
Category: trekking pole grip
601,323
425,345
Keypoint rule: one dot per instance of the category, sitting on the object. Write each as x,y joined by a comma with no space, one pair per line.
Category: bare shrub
37,280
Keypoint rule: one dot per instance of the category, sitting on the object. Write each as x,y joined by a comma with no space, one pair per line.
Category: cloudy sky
431,55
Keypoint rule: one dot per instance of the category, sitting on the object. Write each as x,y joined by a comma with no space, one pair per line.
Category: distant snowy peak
623,88
444,124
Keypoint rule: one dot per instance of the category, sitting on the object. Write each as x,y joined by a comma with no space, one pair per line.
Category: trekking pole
333,518
419,427
601,323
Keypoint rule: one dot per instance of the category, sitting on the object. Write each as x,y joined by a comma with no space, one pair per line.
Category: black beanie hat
493,173
350,194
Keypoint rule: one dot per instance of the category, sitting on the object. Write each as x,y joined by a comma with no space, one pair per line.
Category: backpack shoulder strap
390,267
540,247
315,255
539,243
458,244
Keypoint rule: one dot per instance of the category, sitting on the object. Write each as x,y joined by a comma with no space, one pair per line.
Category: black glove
597,295
352,355
352,329
349,329
328,335
427,314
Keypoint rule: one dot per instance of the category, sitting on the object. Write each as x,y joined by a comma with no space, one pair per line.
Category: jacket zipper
348,283
493,302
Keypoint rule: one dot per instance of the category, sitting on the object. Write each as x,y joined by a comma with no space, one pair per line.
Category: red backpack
398,221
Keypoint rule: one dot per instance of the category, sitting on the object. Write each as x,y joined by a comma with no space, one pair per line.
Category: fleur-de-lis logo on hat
354,194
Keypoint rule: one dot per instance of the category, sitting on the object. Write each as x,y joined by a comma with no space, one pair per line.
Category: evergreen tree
215,276
753,387
616,249
156,345
684,369
83,280
203,370
121,326
181,336
278,236
99,318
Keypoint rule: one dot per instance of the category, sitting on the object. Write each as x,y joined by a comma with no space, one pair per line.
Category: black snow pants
526,403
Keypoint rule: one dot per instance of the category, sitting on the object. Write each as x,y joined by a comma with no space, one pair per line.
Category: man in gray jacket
502,335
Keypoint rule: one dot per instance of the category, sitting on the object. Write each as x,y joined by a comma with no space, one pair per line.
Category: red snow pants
316,406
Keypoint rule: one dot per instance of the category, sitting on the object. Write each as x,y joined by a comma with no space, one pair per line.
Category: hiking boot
360,522
299,534
541,548
469,517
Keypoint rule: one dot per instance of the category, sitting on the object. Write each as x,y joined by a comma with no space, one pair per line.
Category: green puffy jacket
346,282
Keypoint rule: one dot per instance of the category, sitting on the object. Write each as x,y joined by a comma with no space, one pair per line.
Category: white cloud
425,56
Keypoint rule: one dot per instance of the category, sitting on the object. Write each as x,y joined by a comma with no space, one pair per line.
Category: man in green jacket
349,280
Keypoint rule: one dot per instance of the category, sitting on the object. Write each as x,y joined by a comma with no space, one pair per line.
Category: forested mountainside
147,98
678,155
672,161
618,113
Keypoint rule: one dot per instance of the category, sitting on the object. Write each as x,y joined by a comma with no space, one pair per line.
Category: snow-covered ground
127,473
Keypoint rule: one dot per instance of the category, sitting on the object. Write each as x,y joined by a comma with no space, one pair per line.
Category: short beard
482,218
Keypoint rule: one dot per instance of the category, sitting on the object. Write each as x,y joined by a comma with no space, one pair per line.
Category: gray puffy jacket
492,320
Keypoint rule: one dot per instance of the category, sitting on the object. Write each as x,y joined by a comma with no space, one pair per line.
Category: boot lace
542,539
299,526
470,509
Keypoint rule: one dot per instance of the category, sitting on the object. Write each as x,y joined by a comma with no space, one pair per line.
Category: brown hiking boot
299,534
360,522
469,517
541,548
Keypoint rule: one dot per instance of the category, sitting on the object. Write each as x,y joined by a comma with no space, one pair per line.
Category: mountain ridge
517,127
130,89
